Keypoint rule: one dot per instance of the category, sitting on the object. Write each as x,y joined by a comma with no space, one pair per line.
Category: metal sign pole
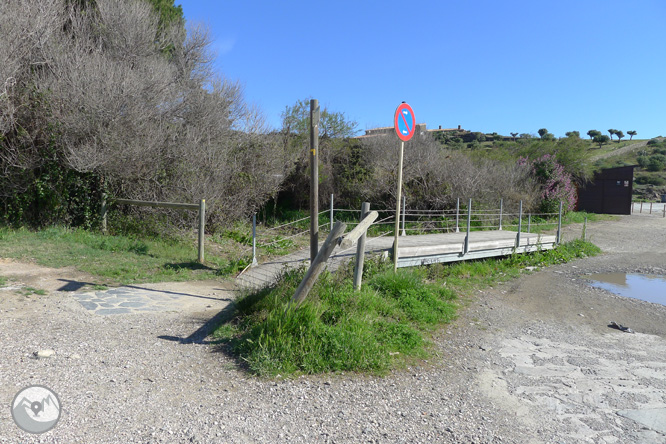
397,209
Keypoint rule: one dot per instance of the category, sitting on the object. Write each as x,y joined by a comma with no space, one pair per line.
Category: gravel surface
529,361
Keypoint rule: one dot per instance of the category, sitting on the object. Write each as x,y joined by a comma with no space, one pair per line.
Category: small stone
75,356
44,353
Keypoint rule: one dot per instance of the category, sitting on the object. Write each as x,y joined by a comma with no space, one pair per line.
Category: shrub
657,162
651,180
556,184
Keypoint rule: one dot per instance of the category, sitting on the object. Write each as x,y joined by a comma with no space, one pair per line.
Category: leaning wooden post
520,223
559,226
103,213
254,240
500,215
469,226
202,226
318,264
458,215
360,251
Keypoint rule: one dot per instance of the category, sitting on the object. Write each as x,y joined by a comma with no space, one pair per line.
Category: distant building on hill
420,129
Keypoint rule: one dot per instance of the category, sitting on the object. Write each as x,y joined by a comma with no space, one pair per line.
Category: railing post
331,217
559,226
520,223
650,207
103,213
664,209
360,251
404,203
458,215
529,222
202,226
632,208
585,229
641,210
469,226
254,240
500,215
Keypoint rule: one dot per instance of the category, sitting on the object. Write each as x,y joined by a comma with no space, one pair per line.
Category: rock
44,353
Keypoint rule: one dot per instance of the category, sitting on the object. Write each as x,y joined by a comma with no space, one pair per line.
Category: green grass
3,281
115,259
386,325
28,291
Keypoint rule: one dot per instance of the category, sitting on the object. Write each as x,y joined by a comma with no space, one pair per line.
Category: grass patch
28,291
119,259
3,281
384,326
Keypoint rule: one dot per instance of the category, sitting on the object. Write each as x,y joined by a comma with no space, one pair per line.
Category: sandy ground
529,361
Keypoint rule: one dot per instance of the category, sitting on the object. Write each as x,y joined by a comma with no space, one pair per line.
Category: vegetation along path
532,360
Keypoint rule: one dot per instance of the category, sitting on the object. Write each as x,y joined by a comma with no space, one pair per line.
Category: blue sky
504,66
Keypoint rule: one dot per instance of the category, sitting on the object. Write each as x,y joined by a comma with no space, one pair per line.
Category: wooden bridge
413,251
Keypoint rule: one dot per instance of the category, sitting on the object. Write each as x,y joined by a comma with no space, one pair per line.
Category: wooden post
314,179
397,209
520,223
641,210
529,222
650,207
318,264
103,213
458,215
202,226
254,240
559,226
360,251
331,216
501,211
664,209
469,226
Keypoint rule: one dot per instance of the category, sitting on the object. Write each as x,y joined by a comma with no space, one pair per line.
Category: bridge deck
413,251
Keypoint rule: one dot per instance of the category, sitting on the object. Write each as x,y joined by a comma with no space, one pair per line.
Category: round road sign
404,122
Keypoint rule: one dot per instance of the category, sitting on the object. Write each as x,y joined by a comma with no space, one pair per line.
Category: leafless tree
116,94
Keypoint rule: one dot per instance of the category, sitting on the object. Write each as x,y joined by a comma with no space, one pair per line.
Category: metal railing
463,218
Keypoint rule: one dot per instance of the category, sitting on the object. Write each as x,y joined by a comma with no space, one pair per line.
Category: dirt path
623,150
529,361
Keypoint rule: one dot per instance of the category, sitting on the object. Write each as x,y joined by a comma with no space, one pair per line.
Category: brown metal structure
609,193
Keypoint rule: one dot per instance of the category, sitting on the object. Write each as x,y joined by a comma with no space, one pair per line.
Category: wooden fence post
202,226
360,251
318,264
103,213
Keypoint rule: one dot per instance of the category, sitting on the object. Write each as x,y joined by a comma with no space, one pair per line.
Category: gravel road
531,361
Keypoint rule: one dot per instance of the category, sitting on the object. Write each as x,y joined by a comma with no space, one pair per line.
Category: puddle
638,286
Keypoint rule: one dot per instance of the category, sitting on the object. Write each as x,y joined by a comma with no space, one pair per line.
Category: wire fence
286,237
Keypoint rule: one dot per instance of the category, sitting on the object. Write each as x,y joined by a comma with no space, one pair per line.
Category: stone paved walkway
144,298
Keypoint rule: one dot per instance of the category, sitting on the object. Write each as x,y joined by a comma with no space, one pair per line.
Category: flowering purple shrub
556,184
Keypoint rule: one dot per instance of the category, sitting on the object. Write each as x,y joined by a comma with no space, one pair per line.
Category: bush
651,180
657,162
653,142
556,184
